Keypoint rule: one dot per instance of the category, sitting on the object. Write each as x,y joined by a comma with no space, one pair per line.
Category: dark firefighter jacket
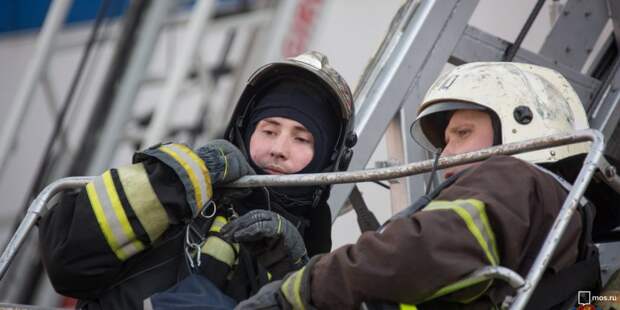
495,214
121,239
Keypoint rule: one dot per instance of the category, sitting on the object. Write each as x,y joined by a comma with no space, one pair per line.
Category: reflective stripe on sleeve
143,200
220,250
291,289
193,173
111,217
473,213
218,223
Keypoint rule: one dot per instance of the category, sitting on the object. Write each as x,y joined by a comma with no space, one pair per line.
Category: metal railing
594,161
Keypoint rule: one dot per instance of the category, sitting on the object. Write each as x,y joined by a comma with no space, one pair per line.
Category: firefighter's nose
278,149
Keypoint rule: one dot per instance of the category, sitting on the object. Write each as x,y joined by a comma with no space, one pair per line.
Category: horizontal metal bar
32,216
413,168
38,205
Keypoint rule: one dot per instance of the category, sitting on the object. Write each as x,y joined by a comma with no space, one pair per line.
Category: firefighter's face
281,145
467,131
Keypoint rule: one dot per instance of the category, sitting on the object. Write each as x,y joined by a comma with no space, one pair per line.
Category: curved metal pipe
501,273
591,163
32,216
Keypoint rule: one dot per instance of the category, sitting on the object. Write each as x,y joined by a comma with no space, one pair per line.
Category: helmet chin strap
433,171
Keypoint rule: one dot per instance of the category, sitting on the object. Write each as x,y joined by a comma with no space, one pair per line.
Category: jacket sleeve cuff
188,167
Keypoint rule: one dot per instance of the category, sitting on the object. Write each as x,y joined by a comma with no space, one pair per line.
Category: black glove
225,161
291,293
276,243
268,297
226,164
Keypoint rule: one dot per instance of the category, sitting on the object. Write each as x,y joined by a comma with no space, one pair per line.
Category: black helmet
310,68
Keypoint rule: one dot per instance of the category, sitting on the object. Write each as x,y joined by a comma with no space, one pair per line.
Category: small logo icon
584,298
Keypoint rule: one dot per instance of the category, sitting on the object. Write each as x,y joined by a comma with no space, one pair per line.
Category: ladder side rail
53,23
201,14
477,45
423,42
122,106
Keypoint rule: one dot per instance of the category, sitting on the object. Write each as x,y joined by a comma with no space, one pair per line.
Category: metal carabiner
206,207
196,246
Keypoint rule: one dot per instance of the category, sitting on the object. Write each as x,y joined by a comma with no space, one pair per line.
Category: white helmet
525,101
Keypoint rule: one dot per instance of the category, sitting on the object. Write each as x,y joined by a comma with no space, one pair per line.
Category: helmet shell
530,102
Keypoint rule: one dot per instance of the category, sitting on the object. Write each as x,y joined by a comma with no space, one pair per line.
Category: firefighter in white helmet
493,213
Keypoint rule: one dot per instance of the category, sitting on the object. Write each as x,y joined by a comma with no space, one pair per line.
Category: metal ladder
425,35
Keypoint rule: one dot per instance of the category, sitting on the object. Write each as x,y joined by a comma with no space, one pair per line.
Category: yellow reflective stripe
472,217
479,205
291,288
102,221
408,307
459,285
111,217
203,169
279,224
143,200
225,163
218,223
130,242
198,185
219,249
472,220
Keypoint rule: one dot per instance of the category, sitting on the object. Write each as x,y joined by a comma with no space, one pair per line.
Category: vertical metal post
122,106
53,22
552,240
394,141
159,125
418,47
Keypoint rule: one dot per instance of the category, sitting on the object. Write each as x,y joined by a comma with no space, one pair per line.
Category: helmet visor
428,129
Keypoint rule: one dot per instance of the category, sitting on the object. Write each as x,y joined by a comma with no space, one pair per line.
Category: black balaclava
305,105
311,107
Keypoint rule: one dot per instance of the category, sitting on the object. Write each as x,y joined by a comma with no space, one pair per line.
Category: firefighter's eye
462,133
302,140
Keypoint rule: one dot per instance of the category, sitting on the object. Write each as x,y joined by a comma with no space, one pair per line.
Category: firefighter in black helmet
138,230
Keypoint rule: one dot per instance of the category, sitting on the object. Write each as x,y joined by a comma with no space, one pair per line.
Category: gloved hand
272,239
291,293
225,161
